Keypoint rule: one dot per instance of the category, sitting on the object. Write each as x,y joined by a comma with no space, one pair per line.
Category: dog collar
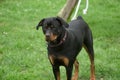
63,39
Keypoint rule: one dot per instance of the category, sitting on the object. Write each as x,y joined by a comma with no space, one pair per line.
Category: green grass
23,54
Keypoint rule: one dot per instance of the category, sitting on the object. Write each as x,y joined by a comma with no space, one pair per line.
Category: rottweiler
65,41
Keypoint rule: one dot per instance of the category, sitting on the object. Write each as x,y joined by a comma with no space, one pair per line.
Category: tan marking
65,60
51,58
92,72
58,75
53,37
76,64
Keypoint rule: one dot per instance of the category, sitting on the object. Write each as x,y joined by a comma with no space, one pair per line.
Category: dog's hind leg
92,67
88,45
75,76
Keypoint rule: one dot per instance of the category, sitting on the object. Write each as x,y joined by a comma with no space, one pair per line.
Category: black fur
77,34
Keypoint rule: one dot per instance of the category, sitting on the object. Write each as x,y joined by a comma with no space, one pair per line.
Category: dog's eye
46,27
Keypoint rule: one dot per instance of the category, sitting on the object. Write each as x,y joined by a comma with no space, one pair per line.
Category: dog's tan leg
92,67
76,64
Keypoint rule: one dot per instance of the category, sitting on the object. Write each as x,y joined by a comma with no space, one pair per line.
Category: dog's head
52,27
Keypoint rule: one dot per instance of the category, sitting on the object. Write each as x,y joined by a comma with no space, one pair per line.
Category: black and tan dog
65,41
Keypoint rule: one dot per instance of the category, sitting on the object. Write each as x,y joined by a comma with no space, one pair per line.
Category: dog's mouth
51,38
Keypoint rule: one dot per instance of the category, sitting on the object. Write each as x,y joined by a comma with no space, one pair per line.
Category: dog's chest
58,60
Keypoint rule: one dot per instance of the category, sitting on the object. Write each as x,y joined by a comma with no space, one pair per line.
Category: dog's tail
79,17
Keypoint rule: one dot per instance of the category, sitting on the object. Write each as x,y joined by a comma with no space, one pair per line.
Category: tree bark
66,11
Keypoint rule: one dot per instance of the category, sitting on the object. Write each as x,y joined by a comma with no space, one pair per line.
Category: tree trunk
66,11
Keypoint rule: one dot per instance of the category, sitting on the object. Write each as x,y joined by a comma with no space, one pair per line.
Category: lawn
23,54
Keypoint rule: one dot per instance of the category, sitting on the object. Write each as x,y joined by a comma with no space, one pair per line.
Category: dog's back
78,24
78,27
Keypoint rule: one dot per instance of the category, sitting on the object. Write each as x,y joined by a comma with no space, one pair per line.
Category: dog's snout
47,34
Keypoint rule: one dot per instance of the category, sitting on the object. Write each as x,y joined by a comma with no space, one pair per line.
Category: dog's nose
47,35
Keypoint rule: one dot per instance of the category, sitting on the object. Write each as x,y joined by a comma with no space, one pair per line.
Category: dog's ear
40,24
62,22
